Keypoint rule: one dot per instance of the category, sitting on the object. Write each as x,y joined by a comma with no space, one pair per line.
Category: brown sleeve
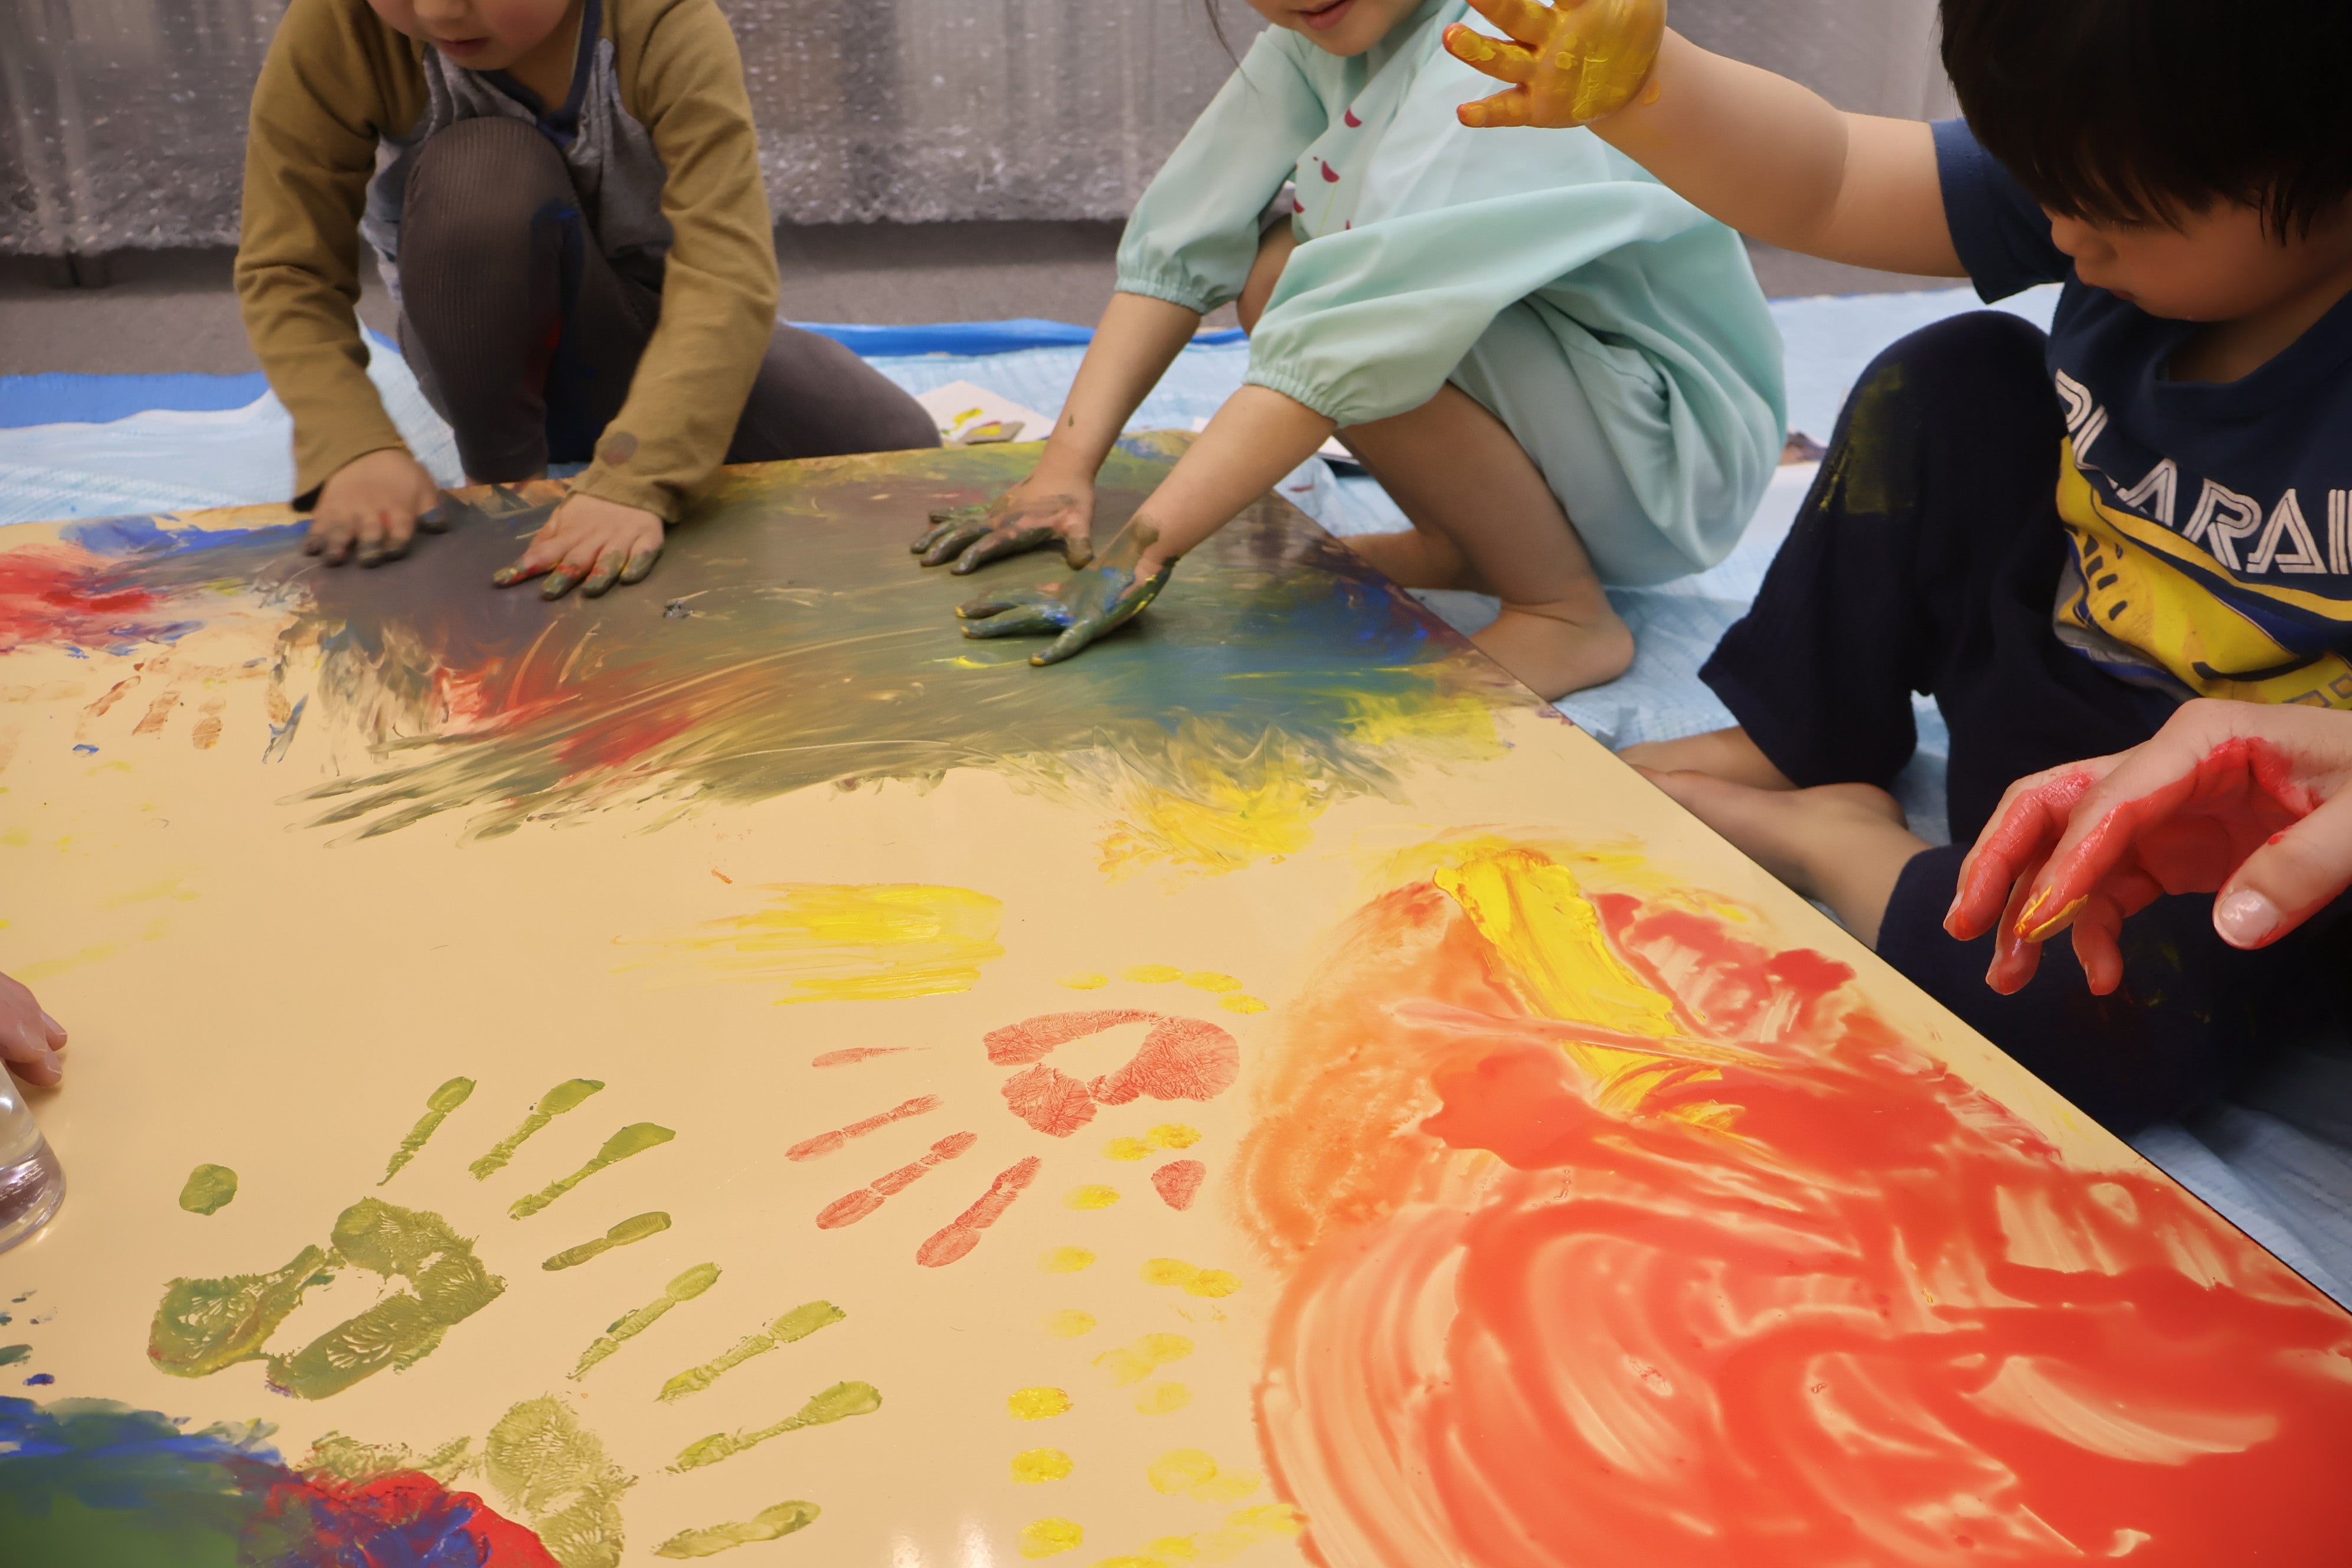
718,285
335,79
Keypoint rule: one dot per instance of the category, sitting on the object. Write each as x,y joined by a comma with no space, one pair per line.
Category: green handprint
1016,523
1085,606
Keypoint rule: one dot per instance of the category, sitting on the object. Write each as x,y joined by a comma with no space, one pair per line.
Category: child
2058,572
566,199
1563,373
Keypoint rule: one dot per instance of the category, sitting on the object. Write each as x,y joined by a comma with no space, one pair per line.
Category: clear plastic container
32,1184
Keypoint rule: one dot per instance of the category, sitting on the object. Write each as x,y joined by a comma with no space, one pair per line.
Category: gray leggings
524,337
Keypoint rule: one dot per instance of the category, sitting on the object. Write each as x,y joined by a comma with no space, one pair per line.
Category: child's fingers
1499,58
2023,828
1525,20
546,548
1070,645
55,1031
641,561
2097,930
2286,882
1002,544
39,1065
605,573
1016,621
1502,111
2014,959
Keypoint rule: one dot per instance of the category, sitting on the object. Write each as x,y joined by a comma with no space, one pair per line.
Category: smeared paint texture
1179,1058
839,1402
554,1471
797,1324
565,1096
633,1139
813,655
837,943
208,1189
629,1325
1611,1234
962,1234
437,1106
90,1482
637,1228
64,595
1177,1183
854,1054
768,1524
203,1325
838,1138
856,1206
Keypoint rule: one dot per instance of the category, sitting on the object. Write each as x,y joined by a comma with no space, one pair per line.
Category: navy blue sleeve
2000,230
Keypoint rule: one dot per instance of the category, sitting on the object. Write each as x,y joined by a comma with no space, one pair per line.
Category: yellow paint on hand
1530,909
1065,1260
1070,1324
1048,1537
1162,1399
881,943
1190,1278
1037,1403
1084,980
1125,1148
1196,1475
1238,1003
1210,980
1151,973
1091,1197
1034,1466
1174,1135
1133,1364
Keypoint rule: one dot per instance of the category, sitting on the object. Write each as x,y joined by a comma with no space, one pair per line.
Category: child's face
479,35
1342,27
2220,265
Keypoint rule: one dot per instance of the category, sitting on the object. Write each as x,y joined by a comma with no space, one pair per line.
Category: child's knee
480,186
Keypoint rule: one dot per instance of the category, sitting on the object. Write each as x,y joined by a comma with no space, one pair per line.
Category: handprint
1027,517
1570,64
1085,606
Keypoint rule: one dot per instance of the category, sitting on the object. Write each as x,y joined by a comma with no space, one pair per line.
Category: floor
176,310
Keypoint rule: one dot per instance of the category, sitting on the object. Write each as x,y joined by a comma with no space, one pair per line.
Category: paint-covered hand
373,505
2248,801
588,544
1569,63
29,1038
1031,515
1084,606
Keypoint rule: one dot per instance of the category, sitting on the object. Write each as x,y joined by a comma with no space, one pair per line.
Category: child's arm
1755,151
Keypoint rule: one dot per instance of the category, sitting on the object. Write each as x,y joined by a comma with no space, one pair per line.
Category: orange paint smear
1778,1290
962,1234
854,1054
1177,1183
838,1138
851,1208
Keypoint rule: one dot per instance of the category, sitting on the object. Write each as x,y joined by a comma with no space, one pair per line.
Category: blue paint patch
145,536
40,1380
87,751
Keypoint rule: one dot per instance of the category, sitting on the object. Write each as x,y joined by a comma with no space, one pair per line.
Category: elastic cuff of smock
659,497
1189,296
1296,390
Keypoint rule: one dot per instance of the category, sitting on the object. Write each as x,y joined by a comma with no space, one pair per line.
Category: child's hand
2250,800
1097,601
376,502
1573,63
1031,515
29,1038
590,543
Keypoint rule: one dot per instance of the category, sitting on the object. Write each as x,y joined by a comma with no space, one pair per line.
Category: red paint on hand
831,1142
961,1235
1179,1181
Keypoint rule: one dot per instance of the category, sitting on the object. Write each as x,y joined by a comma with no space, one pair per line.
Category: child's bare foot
1556,652
1724,753
1416,558
1845,845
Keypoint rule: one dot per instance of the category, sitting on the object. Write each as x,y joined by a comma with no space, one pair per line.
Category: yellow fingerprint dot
1179,1471
1161,1398
1172,1135
1065,1259
1169,1271
1125,1148
1246,1527
1037,1403
1045,1537
1091,1197
1153,1562
1035,1465
1070,1324
1238,1003
1210,980
1133,1364
1151,973
1084,980
1213,1283
1171,1549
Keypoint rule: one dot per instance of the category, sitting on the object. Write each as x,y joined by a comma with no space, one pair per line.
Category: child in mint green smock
1564,373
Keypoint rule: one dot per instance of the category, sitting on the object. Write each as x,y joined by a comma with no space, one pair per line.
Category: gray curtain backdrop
124,121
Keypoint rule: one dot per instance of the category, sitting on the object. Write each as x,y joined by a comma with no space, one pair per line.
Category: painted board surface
733,1069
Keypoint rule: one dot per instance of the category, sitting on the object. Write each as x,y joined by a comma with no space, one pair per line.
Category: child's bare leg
1845,845
1721,753
1484,518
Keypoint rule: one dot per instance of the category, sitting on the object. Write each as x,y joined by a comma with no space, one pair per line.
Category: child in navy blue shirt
2059,539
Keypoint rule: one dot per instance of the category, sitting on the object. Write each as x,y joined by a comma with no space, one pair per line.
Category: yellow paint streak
1238,1003
1209,980
1048,1537
1125,1148
1174,1135
168,888
1194,1473
1162,1399
1151,973
1132,1364
1091,1197
1032,1466
1037,1403
1065,1260
1190,1278
1213,810
1084,980
1070,1324
880,942
1531,909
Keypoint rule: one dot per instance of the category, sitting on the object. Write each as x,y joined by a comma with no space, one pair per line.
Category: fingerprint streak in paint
838,1138
962,1234
851,1208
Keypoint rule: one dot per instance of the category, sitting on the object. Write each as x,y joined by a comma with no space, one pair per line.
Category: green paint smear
554,1471
353,1461
209,1189
633,1139
636,1228
203,1325
628,1326
563,1097
797,1324
11,1354
839,1402
770,1524
437,1106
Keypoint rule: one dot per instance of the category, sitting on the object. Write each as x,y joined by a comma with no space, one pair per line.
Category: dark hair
2143,111
1217,27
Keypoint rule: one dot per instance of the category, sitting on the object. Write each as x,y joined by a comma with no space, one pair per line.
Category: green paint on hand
770,1524
554,1471
209,1189
203,1325
11,1354
685,1288
437,1106
838,1403
797,1324
565,1096
633,1139
632,1229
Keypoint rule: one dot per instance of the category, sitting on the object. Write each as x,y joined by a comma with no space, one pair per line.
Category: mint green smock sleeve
1194,234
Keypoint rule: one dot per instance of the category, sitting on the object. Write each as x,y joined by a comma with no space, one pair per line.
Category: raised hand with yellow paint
1569,64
